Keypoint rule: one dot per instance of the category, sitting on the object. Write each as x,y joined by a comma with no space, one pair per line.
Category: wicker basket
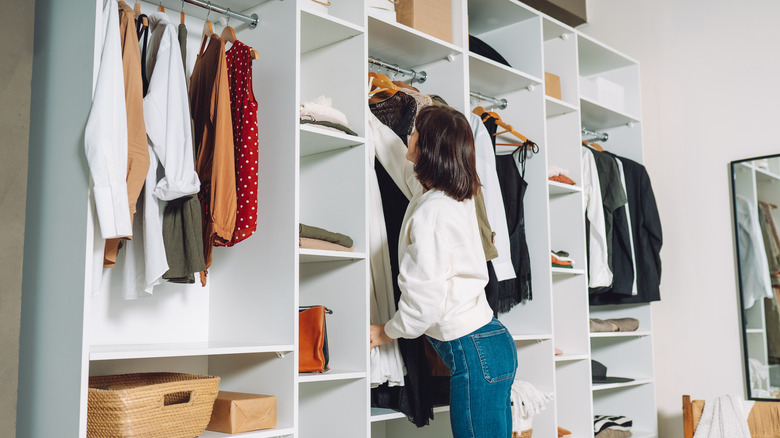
523,434
150,405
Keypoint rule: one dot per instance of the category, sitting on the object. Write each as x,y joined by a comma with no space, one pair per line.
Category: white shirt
599,273
105,136
167,111
755,279
442,270
386,361
167,118
494,201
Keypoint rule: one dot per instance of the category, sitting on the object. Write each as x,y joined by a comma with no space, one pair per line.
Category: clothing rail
249,19
589,135
418,76
498,103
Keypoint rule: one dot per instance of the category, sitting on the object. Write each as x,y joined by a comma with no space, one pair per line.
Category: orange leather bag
313,353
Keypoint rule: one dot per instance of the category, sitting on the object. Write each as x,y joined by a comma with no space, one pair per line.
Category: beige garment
486,233
613,433
210,109
309,243
137,151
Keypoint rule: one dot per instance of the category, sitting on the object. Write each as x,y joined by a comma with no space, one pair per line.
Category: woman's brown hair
445,152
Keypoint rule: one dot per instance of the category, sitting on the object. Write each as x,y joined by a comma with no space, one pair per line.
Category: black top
648,239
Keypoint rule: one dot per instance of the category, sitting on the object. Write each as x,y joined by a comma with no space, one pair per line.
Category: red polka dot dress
243,108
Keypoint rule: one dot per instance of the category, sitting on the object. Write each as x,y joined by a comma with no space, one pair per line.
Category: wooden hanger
138,13
508,129
162,8
229,35
479,111
595,146
182,11
383,83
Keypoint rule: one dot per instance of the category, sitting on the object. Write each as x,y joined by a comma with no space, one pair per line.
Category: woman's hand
378,336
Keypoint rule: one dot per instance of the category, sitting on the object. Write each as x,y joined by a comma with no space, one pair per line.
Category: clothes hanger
595,146
138,13
208,28
162,8
182,11
383,83
228,34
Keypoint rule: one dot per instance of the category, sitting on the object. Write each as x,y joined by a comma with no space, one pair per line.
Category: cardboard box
433,17
236,412
552,85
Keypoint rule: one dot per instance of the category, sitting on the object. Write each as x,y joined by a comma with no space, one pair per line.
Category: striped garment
601,422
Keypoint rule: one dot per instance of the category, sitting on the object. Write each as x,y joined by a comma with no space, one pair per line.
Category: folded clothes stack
612,426
561,259
320,112
557,174
614,325
318,238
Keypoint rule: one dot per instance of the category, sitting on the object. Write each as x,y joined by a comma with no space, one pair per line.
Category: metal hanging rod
249,19
417,76
498,103
589,135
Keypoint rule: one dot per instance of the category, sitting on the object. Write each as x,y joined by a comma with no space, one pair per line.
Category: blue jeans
482,366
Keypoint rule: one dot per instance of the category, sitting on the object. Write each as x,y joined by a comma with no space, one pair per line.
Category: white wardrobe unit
243,325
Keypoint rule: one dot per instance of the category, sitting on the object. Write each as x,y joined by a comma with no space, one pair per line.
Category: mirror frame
742,310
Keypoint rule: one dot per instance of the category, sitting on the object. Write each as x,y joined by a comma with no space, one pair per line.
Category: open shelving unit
243,325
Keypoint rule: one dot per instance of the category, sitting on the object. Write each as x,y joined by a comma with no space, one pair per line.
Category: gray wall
51,347
15,73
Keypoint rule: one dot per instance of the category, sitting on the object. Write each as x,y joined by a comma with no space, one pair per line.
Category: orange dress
215,162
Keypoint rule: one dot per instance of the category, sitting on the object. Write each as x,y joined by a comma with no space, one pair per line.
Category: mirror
756,197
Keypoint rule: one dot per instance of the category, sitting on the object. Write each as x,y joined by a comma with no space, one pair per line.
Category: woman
442,276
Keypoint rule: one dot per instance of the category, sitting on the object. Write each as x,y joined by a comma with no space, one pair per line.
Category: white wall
711,94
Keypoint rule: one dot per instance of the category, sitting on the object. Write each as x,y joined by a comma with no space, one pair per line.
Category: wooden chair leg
687,417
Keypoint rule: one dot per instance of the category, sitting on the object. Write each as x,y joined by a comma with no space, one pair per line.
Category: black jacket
646,231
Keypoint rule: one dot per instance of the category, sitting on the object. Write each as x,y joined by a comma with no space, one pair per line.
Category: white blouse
105,136
599,273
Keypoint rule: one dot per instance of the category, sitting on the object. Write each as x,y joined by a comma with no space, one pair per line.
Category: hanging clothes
631,247
387,365
105,136
415,398
243,108
619,256
599,274
166,108
647,237
494,203
137,151
503,295
167,247
210,109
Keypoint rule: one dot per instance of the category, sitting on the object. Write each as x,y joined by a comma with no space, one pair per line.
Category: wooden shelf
267,433
383,414
487,15
398,44
320,255
494,79
320,30
636,334
556,107
316,140
552,28
597,117
567,271
331,375
556,188
147,351
571,357
596,57
531,337
637,382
